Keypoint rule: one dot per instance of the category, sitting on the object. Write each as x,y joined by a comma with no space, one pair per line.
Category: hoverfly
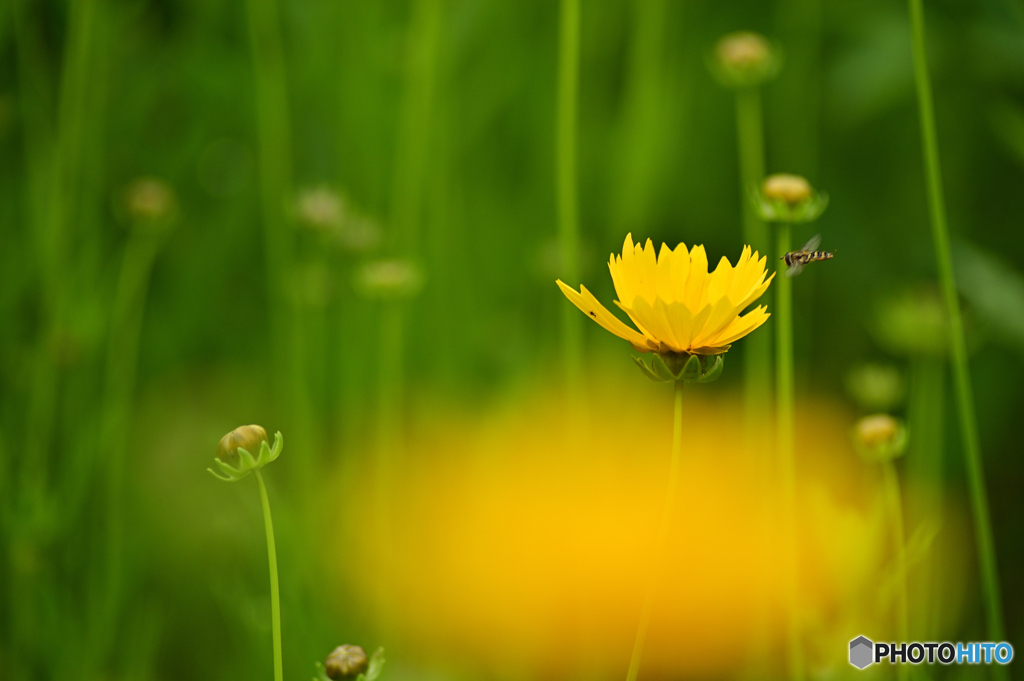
809,253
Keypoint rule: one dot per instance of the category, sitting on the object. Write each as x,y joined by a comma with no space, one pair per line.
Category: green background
436,119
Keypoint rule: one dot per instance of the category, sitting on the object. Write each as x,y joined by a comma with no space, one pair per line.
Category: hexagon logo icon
861,650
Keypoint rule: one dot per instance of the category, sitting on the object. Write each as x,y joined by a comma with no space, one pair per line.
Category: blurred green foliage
125,351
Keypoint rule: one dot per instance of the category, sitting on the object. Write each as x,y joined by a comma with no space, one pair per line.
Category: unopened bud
345,662
249,438
147,200
320,209
789,188
788,198
744,59
359,234
244,450
389,279
879,437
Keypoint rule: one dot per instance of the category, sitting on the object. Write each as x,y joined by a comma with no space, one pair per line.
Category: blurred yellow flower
675,302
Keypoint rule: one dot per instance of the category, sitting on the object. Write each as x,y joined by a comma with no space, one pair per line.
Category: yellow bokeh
518,542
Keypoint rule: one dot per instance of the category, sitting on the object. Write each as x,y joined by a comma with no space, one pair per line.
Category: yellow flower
675,302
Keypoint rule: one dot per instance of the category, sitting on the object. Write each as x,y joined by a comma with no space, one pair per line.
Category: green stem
275,177
662,540
119,383
925,476
757,347
389,383
388,441
565,178
784,398
894,508
961,374
415,125
275,590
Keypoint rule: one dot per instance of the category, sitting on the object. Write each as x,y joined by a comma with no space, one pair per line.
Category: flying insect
796,260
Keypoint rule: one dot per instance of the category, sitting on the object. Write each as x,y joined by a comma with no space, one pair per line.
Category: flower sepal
246,462
672,367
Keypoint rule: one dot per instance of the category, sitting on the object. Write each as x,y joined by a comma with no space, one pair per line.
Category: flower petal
697,281
741,326
721,314
682,322
586,302
654,320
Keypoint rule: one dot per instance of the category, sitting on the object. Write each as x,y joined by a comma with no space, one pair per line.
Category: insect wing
813,244
795,269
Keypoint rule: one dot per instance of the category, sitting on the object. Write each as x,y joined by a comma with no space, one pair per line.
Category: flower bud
345,662
744,59
148,201
359,234
320,209
249,438
784,187
788,198
244,450
389,279
879,437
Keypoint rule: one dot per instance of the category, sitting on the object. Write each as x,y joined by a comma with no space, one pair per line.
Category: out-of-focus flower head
911,323
521,539
879,437
320,209
389,279
744,59
788,198
234,452
359,234
876,387
148,203
680,309
350,662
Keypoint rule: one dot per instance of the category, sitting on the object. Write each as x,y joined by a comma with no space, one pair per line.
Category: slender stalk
415,125
565,185
666,520
784,399
275,176
642,147
389,384
388,442
119,383
275,590
961,374
757,360
894,509
925,476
